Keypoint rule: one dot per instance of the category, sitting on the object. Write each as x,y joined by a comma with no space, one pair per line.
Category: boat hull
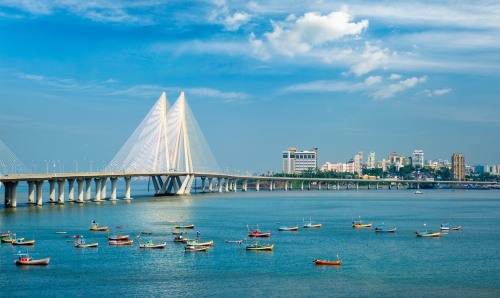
312,226
22,242
381,230
200,244
93,228
184,226
254,234
260,247
78,245
329,263
361,225
429,234
153,246
41,262
122,242
288,229
195,248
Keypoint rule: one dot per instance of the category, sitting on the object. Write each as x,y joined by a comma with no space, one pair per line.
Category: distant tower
370,163
417,158
458,167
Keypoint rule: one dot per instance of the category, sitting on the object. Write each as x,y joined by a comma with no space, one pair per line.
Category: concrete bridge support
80,190
52,192
319,185
97,189
60,188
210,184
302,185
257,185
113,188
127,188
244,186
88,193
11,194
103,188
31,192
338,185
226,184
357,185
219,184
286,185
71,190
309,185
39,184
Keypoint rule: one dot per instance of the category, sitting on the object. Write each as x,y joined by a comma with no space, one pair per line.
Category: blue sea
463,263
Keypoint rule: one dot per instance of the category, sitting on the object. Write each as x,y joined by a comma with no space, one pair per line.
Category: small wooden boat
199,243
190,226
418,192
121,242
26,259
177,232
146,233
96,227
179,238
385,230
193,248
21,241
456,228
150,244
445,226
10,238
258,233
428,234
285,228
235,241
311,225
2,235
359,224
326,262
81,243
118,237
257,246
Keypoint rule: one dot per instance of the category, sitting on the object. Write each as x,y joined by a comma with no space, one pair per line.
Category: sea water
464,263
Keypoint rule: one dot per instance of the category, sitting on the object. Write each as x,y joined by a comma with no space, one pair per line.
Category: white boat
80,243
26,259
418,192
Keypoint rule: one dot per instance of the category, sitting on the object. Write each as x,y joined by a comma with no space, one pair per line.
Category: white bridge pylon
167,140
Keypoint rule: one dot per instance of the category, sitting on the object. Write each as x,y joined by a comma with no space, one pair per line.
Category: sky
77,78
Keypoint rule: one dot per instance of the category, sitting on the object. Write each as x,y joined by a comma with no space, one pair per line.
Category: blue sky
77,77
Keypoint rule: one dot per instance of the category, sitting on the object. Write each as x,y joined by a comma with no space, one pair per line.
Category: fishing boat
257,246
240,242
61,232
177,232
190,226
326,262
445,226
311,225
81,243
428,234
21,241
258,233
146,232
95,227
9,238
5,234
26,259
194,248
418,192
180,238
285,228
150,244
359,224
121,242
197,242
455,228
385,230
119,237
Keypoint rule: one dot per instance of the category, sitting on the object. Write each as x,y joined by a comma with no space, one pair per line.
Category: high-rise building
417,158
370,163
458,167
299,161
358,162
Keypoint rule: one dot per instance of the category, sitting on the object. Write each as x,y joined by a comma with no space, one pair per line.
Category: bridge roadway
175,183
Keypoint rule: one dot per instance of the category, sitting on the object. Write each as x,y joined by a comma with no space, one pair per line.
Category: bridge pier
39,184
210,184
52,191
309,185
60,188
71,191
88,194
103,187
235,185
338,185
319,185
31,192
80,190
226,184
127,188
97,182
302,185
257,185
357,185
286,185
244,187
11,194
113,188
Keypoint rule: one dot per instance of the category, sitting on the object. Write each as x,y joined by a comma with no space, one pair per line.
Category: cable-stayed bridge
168,146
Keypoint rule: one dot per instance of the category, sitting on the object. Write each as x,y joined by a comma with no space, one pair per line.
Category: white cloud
391,90
394,76
231,21
372,58
311,31
373,80
437,92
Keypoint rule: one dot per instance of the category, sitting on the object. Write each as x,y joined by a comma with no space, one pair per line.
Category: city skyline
260,76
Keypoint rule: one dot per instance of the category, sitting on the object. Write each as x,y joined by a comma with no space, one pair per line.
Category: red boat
325,262
258,233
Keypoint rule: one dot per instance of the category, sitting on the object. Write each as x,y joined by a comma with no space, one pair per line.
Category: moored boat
197,242
385,230
455,228
21,241
194,248
428,234
120,237
285,228
327,262
257,246
258,233
81,243
26,259
95,227
311,225
10,238
177,232
150,244
418,192
121,242
445,226
181,226
359,224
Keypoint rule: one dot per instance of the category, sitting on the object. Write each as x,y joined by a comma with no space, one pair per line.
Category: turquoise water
463,263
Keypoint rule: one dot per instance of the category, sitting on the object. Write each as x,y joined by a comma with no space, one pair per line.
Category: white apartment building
370,163
299,161
417,158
